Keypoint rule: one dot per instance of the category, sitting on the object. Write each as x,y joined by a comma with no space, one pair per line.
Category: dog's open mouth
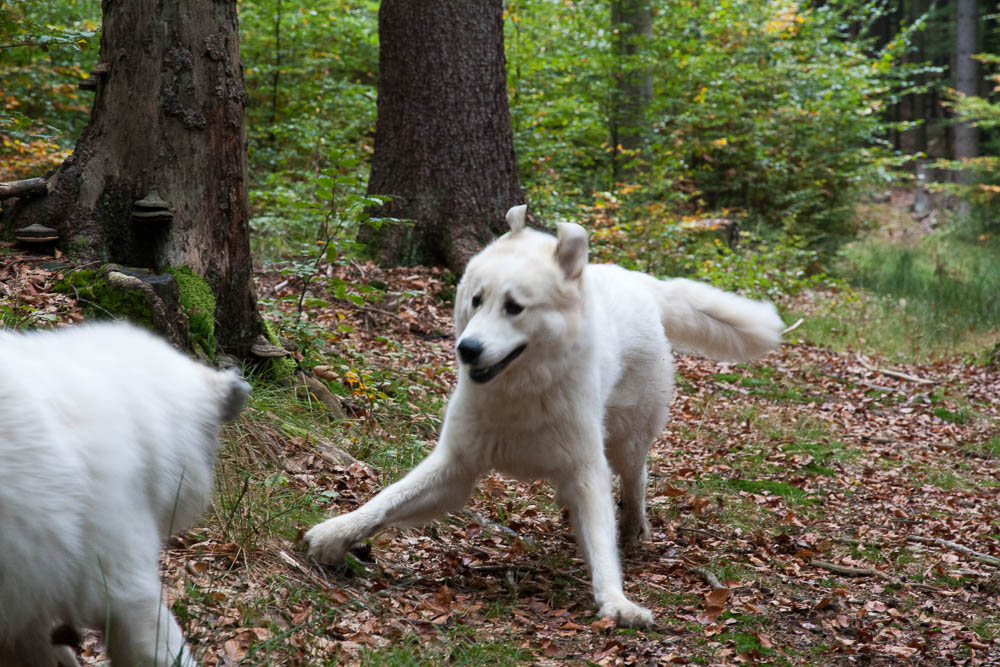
487,373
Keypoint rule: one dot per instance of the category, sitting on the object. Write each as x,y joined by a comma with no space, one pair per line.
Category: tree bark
915,106
630,129
966,73
443,145
168,117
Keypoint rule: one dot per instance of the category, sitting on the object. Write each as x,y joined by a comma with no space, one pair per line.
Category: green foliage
952,275
766,270
960,417
559,80
310,80
661,243
938,298
783,118
337,210
766,109
199,304
22,316
980,180
44,52
762,107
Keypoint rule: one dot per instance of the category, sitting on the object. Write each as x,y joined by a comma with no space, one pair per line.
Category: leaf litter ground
811,508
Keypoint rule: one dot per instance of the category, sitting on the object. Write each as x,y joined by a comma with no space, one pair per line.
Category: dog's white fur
591,388
108,437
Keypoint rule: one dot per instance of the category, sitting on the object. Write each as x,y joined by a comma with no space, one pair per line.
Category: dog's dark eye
477,301
512,307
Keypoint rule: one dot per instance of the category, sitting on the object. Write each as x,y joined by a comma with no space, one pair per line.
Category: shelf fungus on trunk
36,235
152,209
265,349
96,74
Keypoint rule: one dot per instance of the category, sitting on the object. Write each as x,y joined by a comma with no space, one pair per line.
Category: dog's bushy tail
234,390
720,325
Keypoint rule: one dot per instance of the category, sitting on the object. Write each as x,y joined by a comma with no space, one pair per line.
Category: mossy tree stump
141,296
159,176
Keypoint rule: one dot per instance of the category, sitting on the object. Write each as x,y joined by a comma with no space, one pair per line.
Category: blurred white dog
108,437
565,368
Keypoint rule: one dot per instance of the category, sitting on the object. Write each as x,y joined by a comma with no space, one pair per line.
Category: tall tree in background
632,21
443,144
966,73
168,119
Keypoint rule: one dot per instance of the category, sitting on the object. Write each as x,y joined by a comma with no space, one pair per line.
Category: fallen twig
309,573
30,186
979,556
879,387
793,327
849,571
701,531
494,527
963,572
892,373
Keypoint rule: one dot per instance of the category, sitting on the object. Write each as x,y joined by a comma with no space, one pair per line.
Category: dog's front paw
329,541
627,614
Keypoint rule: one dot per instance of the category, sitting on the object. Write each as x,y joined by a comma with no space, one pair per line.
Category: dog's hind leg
634,524
142,631
626,451
588,495
631,430
35,649
439,484
629,462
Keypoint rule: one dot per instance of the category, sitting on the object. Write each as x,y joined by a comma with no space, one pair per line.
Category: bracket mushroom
152,209
96,74
264,349
36,234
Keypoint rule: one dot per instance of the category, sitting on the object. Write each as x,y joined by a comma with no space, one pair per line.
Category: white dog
108,437
564,368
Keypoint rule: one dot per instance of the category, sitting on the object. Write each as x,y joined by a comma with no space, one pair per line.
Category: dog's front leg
589,497
440,483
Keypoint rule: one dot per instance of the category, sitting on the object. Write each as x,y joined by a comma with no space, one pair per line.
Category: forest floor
811,508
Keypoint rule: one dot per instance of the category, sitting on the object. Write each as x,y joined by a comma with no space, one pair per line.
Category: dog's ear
515,218
571,250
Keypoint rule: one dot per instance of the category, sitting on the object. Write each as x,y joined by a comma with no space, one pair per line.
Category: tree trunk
630,129
966,73
168,118
915,105
443,143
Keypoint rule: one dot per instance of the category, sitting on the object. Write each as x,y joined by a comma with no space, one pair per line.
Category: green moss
280,367
101,300
199,304
78,246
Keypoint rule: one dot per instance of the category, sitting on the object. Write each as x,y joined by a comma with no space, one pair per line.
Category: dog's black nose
469,350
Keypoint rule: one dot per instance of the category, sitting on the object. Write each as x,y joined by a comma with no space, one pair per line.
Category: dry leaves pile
25,291
813,508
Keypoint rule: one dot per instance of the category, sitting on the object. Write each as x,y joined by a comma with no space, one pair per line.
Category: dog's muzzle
484,374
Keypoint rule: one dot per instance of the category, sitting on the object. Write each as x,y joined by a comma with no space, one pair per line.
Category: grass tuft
937,299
